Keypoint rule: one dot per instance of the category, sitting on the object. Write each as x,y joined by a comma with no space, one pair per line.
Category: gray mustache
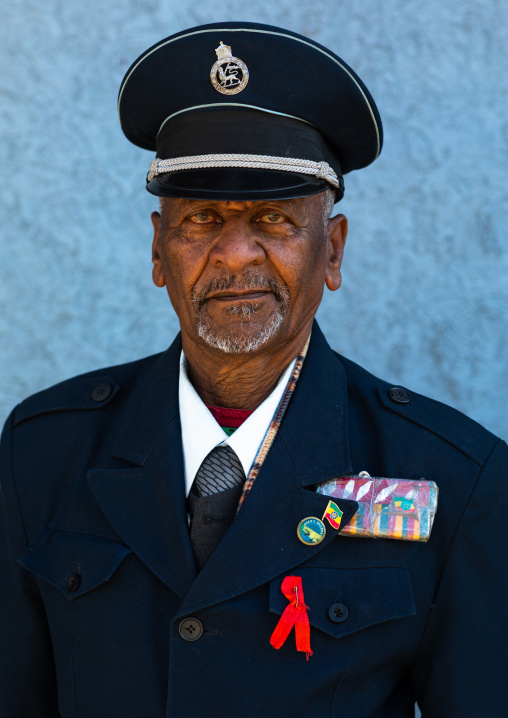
247,282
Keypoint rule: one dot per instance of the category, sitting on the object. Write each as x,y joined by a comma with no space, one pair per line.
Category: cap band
322,170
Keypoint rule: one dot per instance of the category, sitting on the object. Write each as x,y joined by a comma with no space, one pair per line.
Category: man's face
245,277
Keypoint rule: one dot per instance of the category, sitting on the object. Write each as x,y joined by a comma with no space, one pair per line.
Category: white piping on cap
229,104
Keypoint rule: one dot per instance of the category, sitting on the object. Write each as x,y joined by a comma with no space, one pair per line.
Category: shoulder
92,391
408,413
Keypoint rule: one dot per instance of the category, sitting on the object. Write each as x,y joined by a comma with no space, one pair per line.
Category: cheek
185,262
302,266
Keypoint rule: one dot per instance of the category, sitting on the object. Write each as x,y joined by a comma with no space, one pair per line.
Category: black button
338,612
399,395
101,392
72,582
190,629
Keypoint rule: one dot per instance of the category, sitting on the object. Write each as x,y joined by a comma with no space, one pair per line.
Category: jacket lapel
146,504
311,447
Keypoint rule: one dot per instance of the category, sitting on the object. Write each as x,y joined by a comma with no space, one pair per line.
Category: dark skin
197,241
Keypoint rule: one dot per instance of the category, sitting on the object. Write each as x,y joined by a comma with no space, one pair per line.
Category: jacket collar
152,408
315,428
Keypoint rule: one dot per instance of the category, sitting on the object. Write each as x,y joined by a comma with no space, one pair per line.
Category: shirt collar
201,433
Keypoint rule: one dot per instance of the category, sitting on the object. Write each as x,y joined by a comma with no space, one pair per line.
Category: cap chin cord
321,170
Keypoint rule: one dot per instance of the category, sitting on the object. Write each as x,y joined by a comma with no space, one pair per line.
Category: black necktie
220,470
213,500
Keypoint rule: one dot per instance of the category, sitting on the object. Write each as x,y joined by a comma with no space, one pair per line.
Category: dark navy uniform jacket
97,571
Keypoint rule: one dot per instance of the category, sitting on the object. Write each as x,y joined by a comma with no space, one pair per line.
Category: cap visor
236,184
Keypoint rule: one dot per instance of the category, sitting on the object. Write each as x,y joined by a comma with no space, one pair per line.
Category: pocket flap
343,601
73,563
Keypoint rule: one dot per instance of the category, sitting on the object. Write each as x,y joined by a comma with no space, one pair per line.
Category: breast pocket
344,601
73,563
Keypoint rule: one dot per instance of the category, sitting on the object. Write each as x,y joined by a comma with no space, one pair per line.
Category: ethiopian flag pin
333,514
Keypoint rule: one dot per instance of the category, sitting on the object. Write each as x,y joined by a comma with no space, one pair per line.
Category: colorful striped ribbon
275,423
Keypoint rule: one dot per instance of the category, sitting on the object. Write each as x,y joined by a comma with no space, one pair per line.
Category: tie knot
220,470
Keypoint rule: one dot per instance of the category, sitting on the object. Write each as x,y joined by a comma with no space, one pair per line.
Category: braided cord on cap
321,170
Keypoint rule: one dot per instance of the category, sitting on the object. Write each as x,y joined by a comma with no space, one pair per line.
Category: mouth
238,296
251,287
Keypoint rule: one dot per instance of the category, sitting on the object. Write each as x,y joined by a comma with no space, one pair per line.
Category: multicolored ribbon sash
388,508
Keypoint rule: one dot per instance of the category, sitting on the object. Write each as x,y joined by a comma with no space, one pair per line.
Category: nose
237,247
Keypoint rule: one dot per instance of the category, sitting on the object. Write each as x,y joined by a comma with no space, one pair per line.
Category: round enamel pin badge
311,531
229,75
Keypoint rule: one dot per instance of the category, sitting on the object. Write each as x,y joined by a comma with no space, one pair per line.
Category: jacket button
399,395
338,612
72,582
190,629
101,392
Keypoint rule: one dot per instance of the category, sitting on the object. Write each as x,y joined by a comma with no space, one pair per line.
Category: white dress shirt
201,433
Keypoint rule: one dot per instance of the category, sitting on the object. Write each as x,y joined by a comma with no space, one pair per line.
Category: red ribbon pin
294,615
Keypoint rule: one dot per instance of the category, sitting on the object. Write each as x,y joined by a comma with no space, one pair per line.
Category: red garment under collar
231,418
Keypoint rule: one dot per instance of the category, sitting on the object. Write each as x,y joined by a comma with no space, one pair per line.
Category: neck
239,381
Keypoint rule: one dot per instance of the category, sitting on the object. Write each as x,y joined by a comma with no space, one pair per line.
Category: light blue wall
425,289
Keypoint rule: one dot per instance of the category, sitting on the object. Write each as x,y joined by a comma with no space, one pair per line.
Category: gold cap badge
229,75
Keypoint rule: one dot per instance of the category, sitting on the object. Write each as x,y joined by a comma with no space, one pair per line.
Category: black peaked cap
298,100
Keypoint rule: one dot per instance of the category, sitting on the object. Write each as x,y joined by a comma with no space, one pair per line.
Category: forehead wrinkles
171,205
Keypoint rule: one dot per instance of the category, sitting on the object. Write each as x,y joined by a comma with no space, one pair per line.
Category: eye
272,218
203,218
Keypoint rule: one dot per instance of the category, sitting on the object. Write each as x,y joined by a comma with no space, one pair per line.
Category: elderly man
243,525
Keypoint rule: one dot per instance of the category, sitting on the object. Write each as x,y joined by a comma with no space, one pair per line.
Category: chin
238,341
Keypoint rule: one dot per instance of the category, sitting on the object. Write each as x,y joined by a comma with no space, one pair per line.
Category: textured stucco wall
425,293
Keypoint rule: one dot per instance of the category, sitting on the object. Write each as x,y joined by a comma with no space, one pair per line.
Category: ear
336,233
157,273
